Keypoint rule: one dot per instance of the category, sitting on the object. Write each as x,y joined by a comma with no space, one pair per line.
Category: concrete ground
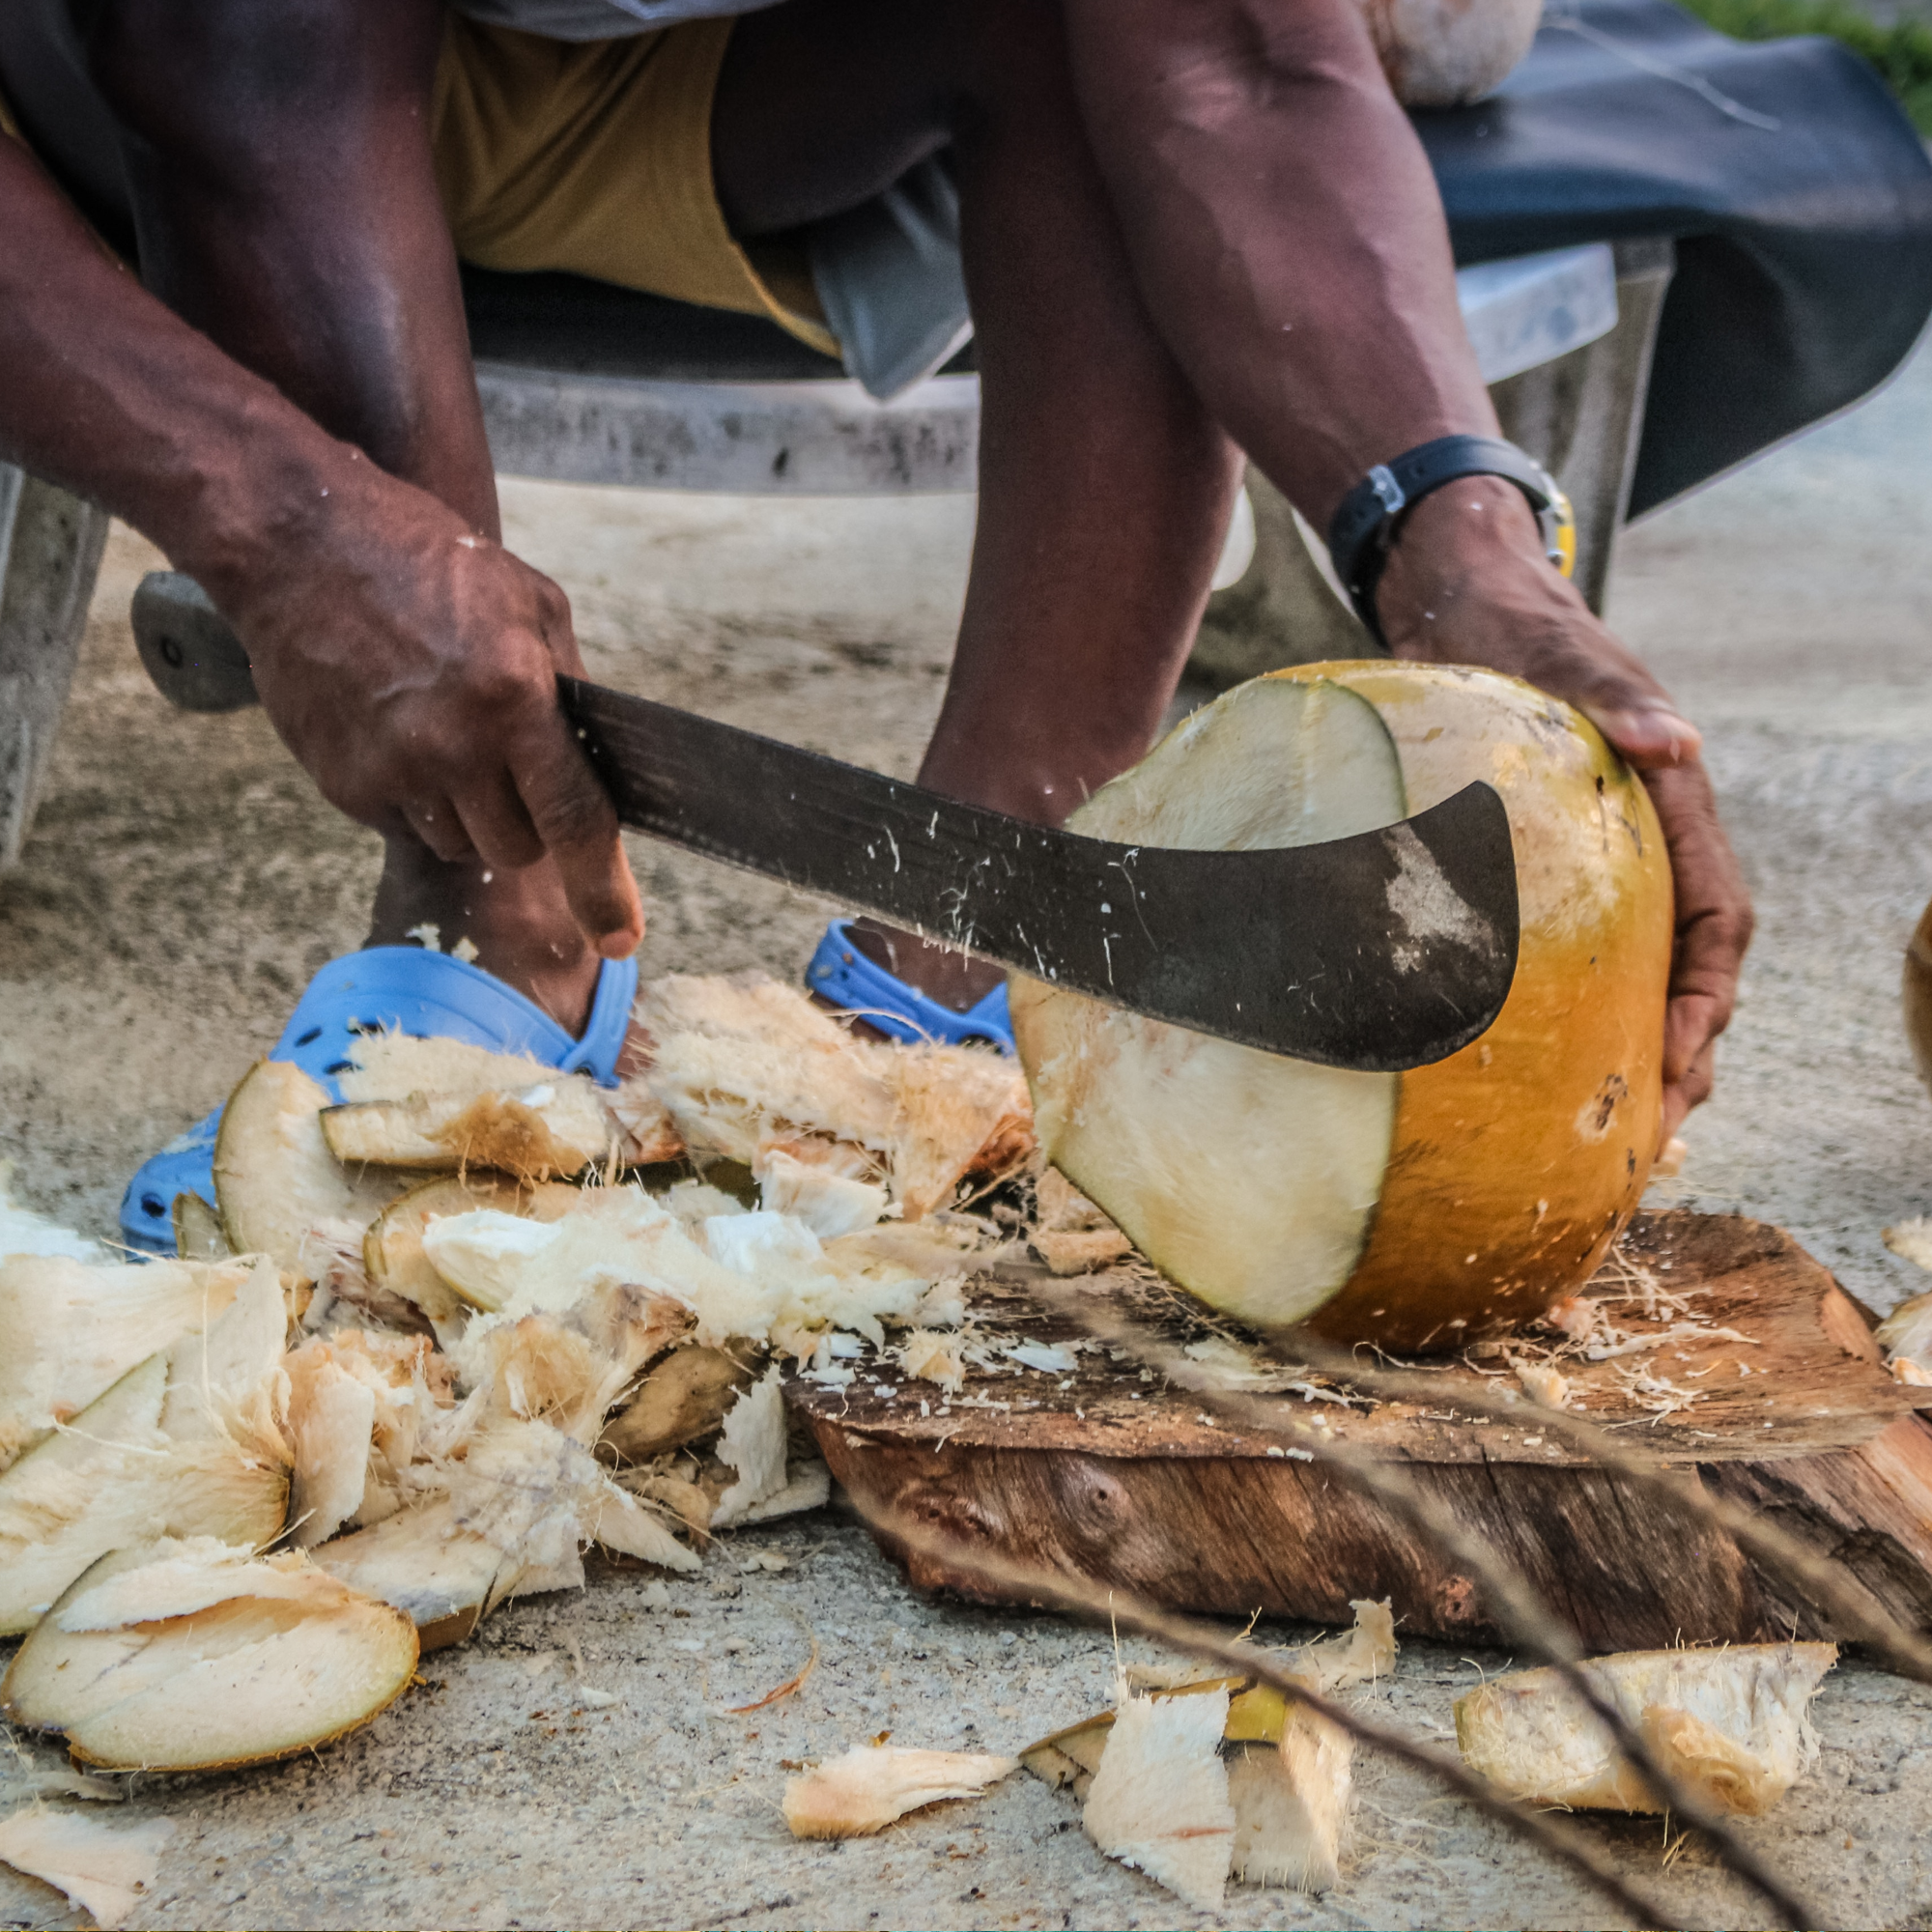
185,880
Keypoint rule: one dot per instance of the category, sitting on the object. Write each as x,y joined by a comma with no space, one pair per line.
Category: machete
1380,951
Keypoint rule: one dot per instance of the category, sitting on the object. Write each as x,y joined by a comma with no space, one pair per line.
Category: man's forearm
1284,229
109,394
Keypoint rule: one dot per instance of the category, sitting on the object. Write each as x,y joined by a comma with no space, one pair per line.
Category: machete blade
1380,951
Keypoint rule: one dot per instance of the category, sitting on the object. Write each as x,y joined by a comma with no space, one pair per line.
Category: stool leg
51,545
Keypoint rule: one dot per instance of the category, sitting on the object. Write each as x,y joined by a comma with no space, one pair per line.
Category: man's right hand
410,665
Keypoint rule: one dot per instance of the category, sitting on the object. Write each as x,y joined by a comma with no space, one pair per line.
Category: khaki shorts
594,157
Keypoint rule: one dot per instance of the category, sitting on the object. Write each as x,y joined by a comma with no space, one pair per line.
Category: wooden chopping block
1132,1483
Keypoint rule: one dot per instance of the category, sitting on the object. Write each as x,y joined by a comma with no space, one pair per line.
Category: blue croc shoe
432,995
841,973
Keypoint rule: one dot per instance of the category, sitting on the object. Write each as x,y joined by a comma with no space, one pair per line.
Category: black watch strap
1363,528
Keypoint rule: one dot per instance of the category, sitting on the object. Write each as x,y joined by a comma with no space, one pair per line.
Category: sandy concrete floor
185,880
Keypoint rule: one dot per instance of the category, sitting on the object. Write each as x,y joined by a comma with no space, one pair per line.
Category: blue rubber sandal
431,995
841,973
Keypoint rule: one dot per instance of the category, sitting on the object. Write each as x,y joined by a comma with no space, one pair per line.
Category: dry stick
1855,1609
1527,1618
1002,1575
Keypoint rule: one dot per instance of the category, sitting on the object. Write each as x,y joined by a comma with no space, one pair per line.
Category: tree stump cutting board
1127,1481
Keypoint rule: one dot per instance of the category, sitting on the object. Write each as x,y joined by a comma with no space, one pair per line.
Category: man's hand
411,666
1467,584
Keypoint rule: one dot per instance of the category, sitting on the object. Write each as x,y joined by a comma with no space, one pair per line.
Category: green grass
1902,53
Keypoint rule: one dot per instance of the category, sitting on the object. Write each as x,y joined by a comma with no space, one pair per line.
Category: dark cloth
1803,250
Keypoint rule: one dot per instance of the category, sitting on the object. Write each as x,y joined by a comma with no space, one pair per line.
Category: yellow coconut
1917,995
1418,1209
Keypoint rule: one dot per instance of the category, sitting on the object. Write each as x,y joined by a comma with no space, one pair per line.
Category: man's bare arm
389,639
1289,241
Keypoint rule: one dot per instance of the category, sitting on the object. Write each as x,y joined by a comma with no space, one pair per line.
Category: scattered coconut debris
871,1785
1906,1331
1197,1745
105,1869
1070,1235
1731,1723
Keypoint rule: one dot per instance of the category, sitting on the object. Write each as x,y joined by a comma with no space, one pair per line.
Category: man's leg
1104,486
283,195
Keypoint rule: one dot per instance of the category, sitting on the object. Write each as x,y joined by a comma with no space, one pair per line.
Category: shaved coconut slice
622,1524
393,1066
425,1563
559,1127
684,1399
753,1441
393,1250
1906,1331
871,1786
961,1111
331,1425
189,1443
727,1097
1359,1656
1733,1722
1290,1804
1070,1235
274,1176
500,1263
104,1868
199,1235
1414,1209
181,1688
829,1203
1447,53
1159,1799
69,1332
934,1357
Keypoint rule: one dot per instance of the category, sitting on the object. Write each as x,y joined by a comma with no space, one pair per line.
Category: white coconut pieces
873,1785
195,1655
1213,1778
105,1869
1733,1724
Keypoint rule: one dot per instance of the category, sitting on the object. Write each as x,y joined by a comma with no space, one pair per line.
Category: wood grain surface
1106,1471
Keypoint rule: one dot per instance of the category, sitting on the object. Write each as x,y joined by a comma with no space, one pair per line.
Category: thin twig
1077,1597
1528,1620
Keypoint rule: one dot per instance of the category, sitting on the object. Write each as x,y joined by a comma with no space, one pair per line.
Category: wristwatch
1368,519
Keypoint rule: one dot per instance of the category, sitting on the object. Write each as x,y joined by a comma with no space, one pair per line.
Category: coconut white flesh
1734,1722
70,1331
189,1442
274,1176
279,1657
871,1786
555,1128
104,1868
199,1235
1159,1800
1272,1226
